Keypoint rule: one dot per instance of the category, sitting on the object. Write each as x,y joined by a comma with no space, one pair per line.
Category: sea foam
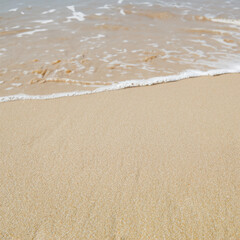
126,84
227,21
31,32
76,15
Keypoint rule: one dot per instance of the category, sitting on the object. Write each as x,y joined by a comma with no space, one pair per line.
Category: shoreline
157,162
188,74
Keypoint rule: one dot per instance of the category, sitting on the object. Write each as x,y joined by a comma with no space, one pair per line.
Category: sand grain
158,162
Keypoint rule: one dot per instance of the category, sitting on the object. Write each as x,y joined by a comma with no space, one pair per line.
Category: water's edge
126,84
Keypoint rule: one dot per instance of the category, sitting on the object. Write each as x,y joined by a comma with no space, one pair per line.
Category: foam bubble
76,15
122,12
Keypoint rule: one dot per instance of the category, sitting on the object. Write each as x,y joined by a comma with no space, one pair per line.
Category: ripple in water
49,48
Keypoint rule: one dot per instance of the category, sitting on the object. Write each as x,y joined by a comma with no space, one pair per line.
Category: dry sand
158,162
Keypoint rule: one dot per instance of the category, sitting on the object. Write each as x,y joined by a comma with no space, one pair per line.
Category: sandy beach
159,162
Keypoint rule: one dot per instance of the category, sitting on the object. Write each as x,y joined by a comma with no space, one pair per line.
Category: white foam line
49,11
43,21
125,84
13,10
9,88
106,6
146,3
16,27
228,21
94,37
16,84
31,32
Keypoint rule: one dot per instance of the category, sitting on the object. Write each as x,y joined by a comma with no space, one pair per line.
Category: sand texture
159,162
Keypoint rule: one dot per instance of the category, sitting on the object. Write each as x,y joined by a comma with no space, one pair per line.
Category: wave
126,84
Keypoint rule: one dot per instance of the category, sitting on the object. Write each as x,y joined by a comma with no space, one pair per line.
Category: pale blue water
228,8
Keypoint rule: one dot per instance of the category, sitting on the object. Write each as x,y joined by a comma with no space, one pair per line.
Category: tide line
126,84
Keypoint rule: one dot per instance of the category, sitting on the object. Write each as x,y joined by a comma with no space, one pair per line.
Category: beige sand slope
160,162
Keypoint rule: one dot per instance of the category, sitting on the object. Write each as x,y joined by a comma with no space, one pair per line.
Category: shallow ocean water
53,47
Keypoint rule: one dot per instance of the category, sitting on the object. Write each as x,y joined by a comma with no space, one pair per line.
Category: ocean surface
58,48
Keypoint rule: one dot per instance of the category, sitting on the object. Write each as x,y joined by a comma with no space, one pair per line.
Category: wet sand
159,162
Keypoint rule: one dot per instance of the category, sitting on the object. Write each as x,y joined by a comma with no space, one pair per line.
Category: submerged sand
159,162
